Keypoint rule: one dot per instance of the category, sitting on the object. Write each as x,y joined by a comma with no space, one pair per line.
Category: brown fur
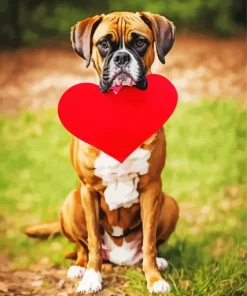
153,204
85,213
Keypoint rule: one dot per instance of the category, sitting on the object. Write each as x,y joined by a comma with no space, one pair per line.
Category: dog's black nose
121,58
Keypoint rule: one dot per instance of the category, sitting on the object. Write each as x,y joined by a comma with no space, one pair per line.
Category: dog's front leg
150,204
92,280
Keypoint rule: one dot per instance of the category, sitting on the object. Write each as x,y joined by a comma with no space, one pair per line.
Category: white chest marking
121,179
117,231
126,254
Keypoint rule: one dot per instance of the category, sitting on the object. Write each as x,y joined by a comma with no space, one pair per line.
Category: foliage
212,15
205,172
34,20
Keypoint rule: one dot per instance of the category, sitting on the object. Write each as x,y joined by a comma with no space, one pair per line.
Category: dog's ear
163,30
81,37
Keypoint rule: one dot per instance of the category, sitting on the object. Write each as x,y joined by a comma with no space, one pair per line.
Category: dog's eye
140,42
104,44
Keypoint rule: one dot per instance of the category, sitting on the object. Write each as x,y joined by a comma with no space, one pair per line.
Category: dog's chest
128,253
121,179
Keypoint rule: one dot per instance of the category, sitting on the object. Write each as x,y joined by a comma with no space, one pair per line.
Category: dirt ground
199,67
53,282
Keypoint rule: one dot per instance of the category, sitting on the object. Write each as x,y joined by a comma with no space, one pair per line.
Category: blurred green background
30,21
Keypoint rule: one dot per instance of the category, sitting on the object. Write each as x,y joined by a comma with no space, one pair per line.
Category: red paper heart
117,124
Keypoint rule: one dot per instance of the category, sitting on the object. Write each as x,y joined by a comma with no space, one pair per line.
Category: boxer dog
118,213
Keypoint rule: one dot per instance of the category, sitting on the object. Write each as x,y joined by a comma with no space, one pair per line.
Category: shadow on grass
184,254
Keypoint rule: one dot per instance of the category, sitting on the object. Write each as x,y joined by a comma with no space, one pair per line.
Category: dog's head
121,46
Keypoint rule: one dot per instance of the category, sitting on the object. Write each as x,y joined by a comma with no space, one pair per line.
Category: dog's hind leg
77,270
73,226
169,214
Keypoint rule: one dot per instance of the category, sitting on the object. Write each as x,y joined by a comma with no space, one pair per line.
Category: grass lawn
205,172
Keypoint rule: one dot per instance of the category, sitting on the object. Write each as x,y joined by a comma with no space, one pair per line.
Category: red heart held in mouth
119,123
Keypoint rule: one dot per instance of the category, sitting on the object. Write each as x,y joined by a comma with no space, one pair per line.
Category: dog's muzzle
122,69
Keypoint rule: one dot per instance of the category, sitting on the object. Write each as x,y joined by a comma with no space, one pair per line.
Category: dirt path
53,282
198,67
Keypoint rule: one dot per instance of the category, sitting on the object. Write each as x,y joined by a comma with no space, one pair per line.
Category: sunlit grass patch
205,172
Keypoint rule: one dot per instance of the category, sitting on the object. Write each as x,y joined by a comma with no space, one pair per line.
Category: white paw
76,272
91,282
161,263
160,286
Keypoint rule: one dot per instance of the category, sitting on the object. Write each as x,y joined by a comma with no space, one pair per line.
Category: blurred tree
10,33
30,21
239,13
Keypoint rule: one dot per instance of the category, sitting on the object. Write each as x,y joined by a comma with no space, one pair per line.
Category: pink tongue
117,88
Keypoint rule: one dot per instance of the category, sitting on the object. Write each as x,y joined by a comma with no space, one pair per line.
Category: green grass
205,172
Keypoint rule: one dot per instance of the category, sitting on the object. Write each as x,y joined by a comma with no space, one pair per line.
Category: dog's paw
160,286
162,264
91,282
76,272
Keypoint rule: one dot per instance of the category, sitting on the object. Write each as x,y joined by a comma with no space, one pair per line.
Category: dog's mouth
120,81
